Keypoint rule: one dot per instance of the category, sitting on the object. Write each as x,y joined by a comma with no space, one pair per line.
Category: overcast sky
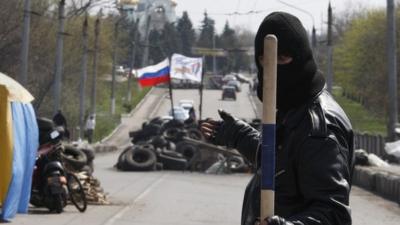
219,10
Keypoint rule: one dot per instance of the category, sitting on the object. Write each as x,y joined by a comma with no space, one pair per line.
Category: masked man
314,139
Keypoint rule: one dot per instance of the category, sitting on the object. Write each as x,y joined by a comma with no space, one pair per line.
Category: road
179,198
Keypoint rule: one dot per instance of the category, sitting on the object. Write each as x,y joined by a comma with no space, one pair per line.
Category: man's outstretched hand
221,132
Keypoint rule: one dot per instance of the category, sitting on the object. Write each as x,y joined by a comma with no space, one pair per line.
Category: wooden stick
268,132
211,147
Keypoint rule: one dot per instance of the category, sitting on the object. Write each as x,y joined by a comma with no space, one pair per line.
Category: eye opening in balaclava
297,80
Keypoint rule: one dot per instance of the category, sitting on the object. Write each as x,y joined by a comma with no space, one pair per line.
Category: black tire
74,158
157,120
76,193
146,146
171,153
172,163
140,159
151,130
187,150
159,141
172,124
121,163
58,203
89,152
144,124
171,146
237,164
159,166
87,169
195,134
174,134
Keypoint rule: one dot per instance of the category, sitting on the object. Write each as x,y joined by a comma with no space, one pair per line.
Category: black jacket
314,163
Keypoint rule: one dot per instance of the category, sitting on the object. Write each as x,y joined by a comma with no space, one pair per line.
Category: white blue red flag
186,68
155,74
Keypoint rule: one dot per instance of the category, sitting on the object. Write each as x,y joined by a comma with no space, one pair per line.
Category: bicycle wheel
76,192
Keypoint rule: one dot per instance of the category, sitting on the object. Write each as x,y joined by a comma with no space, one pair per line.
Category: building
150,13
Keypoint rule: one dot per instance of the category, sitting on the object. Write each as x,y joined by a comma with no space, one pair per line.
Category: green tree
207,32
360,61
187,34
228,41
170,43
155,54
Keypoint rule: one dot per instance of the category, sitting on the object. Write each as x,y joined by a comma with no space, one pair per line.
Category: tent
19,142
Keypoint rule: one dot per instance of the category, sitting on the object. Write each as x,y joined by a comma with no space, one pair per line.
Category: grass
105,121
361,119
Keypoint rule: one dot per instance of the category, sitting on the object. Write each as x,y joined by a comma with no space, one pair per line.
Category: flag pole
201,89
170,91
269,125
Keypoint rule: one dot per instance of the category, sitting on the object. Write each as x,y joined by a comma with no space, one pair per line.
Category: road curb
382,183
151,115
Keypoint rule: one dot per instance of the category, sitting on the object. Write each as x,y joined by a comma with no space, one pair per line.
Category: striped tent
18,147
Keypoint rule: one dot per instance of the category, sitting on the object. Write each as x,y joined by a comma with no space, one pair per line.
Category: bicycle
76,193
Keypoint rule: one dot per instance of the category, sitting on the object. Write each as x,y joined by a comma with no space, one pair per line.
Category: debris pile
172,145
78,159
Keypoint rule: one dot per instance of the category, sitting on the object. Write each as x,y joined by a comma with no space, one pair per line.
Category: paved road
176,198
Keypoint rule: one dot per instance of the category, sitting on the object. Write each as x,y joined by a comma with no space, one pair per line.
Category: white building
152,13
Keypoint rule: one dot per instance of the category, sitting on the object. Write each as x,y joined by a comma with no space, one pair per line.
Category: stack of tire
160,145
78,158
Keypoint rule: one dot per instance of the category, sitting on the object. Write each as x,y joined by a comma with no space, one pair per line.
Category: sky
224,10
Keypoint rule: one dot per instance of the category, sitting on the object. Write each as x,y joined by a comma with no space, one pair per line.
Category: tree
187,34
155,54
207,32
228,41
206,36
360,61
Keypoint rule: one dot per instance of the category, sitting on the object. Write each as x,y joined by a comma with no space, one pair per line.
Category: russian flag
155,74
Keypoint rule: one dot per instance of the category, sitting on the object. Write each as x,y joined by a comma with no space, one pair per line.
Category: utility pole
133,58
95,59
146,45
59,57
82,84
329,78
114,61
23,79
214,58
392,67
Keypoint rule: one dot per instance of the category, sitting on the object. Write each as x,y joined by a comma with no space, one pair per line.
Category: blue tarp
26,142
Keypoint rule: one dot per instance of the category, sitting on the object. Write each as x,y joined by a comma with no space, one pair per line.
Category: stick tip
271,37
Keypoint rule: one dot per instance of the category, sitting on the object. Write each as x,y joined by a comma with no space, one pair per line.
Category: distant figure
89,129
60,121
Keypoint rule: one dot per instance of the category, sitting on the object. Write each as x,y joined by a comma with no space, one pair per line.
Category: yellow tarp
6,143
16,92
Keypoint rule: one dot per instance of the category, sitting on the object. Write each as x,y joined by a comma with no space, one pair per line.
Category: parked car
228,78
186,104
235,84
228,92
179,113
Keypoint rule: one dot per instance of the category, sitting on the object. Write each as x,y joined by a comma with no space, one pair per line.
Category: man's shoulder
321,115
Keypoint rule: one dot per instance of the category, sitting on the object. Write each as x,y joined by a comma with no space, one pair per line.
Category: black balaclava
297,81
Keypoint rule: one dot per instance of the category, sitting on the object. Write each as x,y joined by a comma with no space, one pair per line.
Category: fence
371,143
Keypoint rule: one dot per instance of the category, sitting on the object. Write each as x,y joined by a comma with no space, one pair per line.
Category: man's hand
209,128
222,132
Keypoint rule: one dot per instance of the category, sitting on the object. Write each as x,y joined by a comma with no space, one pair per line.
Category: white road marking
146,191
